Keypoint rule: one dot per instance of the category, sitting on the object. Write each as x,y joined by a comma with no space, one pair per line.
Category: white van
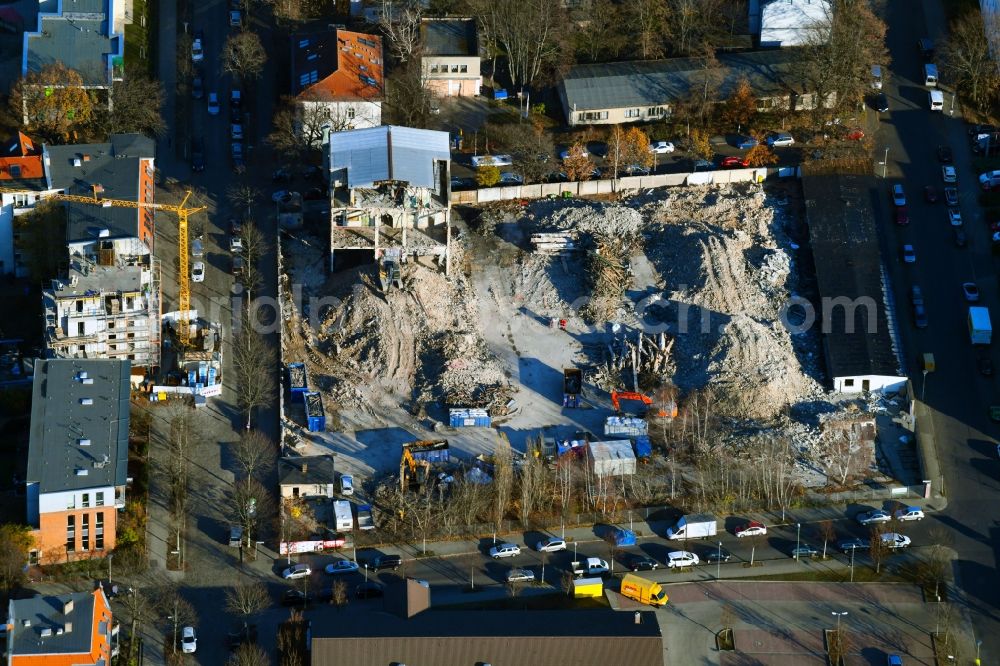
936,98
990,179
930,75
876,77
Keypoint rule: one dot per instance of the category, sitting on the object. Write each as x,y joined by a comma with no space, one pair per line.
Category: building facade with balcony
77,457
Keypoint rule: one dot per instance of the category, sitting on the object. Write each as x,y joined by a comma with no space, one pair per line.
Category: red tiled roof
359,70
22,154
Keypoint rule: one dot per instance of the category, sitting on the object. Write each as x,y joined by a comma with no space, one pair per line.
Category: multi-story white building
105,310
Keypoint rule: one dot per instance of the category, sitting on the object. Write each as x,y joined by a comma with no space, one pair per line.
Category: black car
713,555
985,364
385,562
463,184
641,563
235,227
242,635
975,130
197,155
368,590
880,102
960,238
944,154
849,545
926,47
198,85
294,597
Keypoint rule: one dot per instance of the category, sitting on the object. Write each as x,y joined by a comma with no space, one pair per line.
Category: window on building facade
657,111
86,500
350,113
80,330
454,69
593,115
99,531
434,68
99,499
464,69
85,532
70,534
631,113
79,306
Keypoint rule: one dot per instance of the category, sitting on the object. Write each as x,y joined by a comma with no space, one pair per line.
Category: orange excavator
617,396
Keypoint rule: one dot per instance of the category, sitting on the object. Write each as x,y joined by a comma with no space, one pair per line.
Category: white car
520,576
198,272
681,558
894,541
296,571
213,104
948,174
236,245
778,139
236,131
753,528
661,147
971,293
504,550
564,154
910,513
341,567
550,546
870,517
189,641
955,217
346,484
197,49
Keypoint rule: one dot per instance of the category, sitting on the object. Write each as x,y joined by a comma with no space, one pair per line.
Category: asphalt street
956,393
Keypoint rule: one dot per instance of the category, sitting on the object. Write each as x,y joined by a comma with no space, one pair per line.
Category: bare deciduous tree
248,654
136,105
138,610
339,596
503,480
647,24
400,23
599,36
827,532
243,55
177,611
246,600
243,195
528,144
254,451
252,364
878,549
966,60
251,506
529,33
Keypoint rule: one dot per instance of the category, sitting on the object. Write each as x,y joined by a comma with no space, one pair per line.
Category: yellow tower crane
184,275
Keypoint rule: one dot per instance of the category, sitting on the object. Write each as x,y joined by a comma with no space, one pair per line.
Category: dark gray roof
389,152
59,421
47,613
115,166
461,638
657,82
319,470
449,37
314,57
79,39
845,249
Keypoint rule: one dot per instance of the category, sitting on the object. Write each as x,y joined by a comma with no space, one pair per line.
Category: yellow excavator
412,472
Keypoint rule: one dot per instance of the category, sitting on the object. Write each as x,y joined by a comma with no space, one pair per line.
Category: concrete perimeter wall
629,183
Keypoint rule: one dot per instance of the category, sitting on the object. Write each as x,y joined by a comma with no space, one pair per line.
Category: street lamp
885,161
852,564
798,533
839,615
718,564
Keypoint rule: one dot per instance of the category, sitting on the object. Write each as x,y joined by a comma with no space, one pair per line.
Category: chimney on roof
305,467
68,627
67,607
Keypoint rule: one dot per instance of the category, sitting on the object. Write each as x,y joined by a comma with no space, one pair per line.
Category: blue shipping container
643,447
467,418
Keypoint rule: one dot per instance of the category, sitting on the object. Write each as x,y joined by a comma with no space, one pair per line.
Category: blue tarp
624,537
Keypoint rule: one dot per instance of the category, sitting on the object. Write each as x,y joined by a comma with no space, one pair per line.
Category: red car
931,194
902,215
753,528
734,162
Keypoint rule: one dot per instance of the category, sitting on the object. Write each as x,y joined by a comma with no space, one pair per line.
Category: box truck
642,590
980,329
695,526
343,516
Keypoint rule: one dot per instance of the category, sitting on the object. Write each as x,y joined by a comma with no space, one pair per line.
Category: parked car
213,104
880,102
944,154
955,217
296,571
902,216
189,641
926,47
520,576
463,184
971,293
916,295
920,316
681,558
197,85
564,153
295,597
368,590
346,484
909,254
550,545
744,142
237,155
951,196
713,555
701,165
779,139
979,128
385,562
909,513
235,18
930,194
197,154
958,234
635,170
198,272
641,563
948,174
733,162
661,147
315,194
752,528
874,516
236,245
281,175
804,551
238,265
197,46
849,545
898,196
510,178
235,102
893,540
341,567
504,550
236,131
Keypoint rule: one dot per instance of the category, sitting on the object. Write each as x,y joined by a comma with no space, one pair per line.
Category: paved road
956,393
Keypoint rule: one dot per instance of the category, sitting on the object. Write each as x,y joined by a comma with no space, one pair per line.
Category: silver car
520,576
